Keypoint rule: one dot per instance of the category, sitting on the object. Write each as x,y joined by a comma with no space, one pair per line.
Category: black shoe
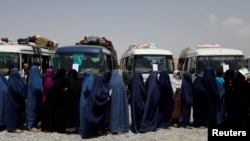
2,127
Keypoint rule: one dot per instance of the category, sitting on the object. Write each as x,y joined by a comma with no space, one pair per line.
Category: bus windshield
148,63
219,62
79,61
7,60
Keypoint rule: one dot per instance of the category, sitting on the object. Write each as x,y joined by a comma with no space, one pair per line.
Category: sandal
175,125
17,131
34,130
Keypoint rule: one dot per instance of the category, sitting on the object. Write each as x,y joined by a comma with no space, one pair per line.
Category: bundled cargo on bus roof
6,40
96,40
38,41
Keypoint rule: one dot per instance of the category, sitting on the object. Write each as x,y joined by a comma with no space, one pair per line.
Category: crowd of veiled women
64,104
97,105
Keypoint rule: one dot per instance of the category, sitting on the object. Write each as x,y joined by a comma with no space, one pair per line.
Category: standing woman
138,99
3,93
95,113
16,104
34,99
87,84
186,99
166,100
47,83
58,96
176,86
72,100
150,115
119,115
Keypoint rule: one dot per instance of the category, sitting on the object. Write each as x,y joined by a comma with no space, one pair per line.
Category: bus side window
130,64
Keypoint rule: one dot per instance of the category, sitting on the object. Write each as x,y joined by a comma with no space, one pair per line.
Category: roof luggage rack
38,41
96,40
6,41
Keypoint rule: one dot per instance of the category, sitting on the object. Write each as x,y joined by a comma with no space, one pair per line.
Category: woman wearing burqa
16,104
3,93
212,95
199,102
72,101
186,99
166,100
138,99
241,102
48,82
34,98
53,110
59,90
119,115
87,84
230,97
95,113
150,116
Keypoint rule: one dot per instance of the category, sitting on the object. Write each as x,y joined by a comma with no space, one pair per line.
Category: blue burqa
3,92
119,115
199,101
87,84
166,100
138,99
95,113
186,98
34,98
16,105
150,116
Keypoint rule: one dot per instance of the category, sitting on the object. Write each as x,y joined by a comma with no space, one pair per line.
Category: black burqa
150,116
53,111
72,100
166,100
212,95
138,99
199,101
186,98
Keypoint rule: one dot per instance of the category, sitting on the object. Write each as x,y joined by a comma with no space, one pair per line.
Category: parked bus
145,58
15,54
196,59
93,52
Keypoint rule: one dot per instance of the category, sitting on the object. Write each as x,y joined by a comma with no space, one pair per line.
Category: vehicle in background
196,59
145,58
93,52
15,54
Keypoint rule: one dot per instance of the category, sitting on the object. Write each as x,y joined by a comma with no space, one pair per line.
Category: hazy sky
171,24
